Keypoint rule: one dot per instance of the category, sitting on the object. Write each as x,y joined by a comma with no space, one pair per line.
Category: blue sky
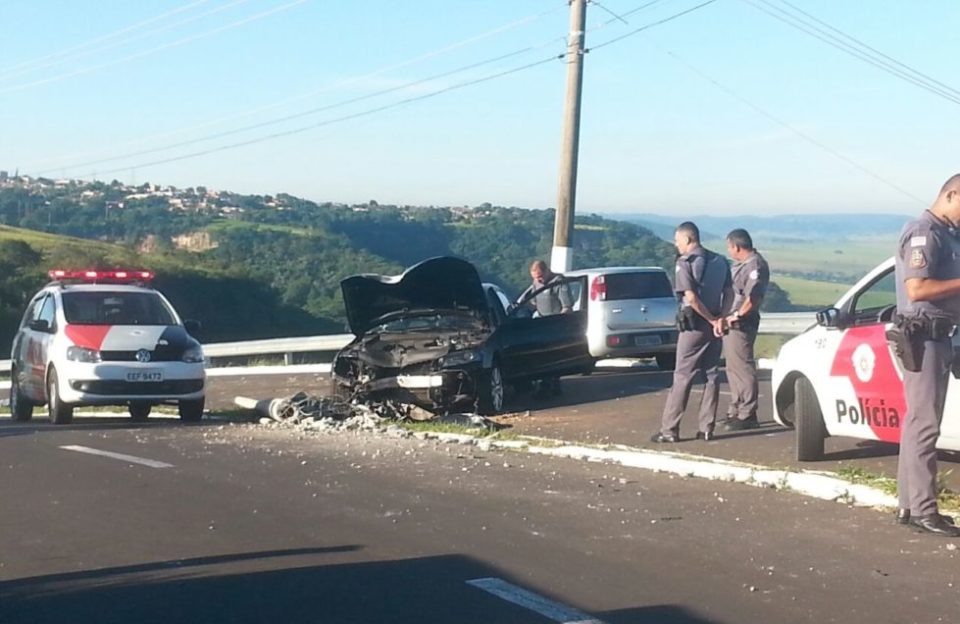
703,114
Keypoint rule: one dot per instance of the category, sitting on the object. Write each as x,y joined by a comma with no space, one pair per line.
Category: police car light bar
99,276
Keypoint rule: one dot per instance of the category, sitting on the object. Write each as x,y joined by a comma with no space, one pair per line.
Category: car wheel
139,411
21,408
667,361
60,413
191,411
808,420
490,399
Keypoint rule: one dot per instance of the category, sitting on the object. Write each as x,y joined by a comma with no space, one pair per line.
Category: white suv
632,312
104,338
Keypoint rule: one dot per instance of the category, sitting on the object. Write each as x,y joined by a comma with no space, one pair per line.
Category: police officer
702,285
928,307
751,274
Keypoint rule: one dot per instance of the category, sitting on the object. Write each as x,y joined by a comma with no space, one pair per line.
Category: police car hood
440,284
173,338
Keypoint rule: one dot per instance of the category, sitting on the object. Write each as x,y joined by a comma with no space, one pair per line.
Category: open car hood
438,283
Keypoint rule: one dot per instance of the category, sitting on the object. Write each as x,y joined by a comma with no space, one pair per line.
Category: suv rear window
642,285
115,308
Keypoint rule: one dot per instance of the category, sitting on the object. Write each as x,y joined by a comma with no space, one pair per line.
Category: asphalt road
244,523
623,407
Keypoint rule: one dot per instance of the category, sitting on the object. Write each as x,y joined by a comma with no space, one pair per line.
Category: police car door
862,396
37,333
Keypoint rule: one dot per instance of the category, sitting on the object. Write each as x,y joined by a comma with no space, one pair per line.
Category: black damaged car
438,338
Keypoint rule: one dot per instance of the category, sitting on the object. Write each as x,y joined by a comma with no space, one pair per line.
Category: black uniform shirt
928,248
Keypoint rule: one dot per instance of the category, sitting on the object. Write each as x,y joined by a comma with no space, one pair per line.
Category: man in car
703,285
751,274
548,301
928,308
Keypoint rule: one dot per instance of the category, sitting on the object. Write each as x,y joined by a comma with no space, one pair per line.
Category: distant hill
822,227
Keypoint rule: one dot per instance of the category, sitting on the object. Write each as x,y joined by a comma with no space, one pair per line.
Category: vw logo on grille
143,355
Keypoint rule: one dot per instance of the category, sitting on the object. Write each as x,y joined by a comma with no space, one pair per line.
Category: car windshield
427,321
116,308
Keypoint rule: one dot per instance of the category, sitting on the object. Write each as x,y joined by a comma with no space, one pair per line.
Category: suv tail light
598,289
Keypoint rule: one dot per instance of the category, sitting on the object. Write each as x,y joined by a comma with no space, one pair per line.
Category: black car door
548,345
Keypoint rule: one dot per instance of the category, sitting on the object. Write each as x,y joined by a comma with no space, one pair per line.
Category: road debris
333,413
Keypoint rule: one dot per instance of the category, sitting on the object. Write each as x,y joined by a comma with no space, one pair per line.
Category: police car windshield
116,308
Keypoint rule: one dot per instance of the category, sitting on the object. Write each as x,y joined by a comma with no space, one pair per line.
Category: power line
341,119
651,25
341,83
85,44
173,44
799,133
864,53
389,106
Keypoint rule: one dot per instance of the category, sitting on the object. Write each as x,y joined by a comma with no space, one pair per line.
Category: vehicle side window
877,302
48,311
30,314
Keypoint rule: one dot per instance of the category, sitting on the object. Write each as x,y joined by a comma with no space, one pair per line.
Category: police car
840,377
104,338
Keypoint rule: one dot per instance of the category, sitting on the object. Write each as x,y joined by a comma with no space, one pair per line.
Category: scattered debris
335,413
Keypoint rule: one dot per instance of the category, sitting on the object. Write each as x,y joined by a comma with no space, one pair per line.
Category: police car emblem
143,355
864,361
917,259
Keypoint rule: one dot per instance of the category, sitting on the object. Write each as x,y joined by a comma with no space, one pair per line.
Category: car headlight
459,358
193,354
82,354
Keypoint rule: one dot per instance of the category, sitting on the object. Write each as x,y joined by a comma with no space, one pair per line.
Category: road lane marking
127,458
534,602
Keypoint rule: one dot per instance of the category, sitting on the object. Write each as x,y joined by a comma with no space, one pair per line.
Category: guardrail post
287,359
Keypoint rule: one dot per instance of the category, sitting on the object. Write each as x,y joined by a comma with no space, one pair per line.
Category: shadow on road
264,587
600,386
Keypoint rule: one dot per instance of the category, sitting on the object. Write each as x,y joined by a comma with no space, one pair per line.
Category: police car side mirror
191,326
40,325
828,317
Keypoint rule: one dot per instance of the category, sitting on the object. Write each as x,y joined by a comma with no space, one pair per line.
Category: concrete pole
561,259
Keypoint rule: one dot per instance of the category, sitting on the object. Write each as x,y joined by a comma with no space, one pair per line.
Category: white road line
127,458
534,602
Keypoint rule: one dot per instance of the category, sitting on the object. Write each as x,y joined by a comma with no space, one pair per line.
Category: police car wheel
191,411
808,421
21,408
139,411
60,413
490,399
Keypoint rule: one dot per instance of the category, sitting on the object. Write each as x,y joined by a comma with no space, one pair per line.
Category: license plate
145,375
646,341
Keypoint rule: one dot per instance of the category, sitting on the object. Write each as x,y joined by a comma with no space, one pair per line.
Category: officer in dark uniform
928,307
751,274
703,286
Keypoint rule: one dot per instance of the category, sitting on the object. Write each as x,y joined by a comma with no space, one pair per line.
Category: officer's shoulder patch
754,274
918,259
918,241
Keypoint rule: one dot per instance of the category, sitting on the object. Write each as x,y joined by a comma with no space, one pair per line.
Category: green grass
810,292
949,501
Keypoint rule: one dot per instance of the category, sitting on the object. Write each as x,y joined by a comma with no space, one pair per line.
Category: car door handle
616,311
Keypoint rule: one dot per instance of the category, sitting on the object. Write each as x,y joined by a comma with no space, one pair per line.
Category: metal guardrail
786,323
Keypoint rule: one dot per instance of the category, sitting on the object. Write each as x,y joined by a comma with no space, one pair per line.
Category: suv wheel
21,408
60,413
139,411
191,411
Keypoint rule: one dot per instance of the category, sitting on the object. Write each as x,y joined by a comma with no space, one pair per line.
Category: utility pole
561,258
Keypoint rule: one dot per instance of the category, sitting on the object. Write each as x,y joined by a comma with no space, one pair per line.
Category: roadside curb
822,485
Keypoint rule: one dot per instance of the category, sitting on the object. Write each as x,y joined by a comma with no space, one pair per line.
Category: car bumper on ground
441,389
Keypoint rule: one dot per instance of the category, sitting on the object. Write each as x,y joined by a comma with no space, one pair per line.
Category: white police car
104,338
840,378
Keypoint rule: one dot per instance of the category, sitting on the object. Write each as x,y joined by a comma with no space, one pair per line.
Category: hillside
261,266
